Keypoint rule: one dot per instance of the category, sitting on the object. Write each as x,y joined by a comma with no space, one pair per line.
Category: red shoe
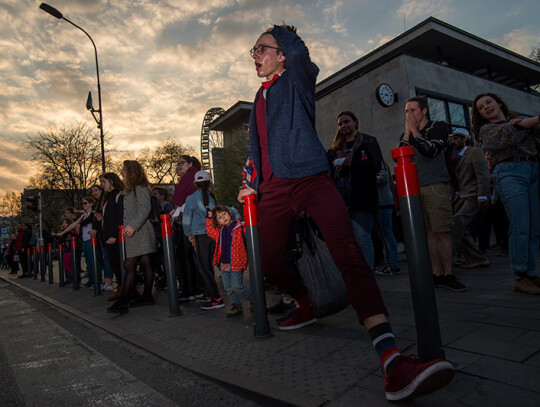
411,378
298,320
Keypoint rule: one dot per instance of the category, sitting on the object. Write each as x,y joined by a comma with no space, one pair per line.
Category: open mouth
257,65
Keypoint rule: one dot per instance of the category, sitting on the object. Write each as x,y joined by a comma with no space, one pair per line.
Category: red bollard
95,273
61,275
75,268
261,328
416,246
49,263
122,246
170,266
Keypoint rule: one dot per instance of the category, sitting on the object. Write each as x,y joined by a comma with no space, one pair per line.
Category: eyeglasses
260,49
85,203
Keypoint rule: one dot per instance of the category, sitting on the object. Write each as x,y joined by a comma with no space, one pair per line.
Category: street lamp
55,13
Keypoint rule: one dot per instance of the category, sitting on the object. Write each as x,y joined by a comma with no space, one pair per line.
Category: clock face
385,95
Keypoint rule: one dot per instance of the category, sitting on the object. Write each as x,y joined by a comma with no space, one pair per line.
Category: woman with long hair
139,235
511,144
355,160
113,216
194,223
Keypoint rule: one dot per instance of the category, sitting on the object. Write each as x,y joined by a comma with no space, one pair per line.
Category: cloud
415,10
520,40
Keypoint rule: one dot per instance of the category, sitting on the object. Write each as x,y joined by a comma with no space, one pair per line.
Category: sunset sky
163,64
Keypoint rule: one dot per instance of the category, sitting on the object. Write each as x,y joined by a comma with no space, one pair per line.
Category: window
451,110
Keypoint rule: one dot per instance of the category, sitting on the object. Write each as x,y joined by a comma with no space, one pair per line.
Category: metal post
42,261
61,276
122,245
261,328
416,246
75,268
170,267
29,262
97,287
35,261
49,263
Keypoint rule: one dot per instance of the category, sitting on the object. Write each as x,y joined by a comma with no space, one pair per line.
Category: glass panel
457,114
436,110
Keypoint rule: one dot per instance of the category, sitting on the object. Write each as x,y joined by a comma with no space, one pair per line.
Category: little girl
230,255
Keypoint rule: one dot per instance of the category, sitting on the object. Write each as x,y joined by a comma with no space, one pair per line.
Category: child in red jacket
230,255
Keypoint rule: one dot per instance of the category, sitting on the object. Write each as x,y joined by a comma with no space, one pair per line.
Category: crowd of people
467,182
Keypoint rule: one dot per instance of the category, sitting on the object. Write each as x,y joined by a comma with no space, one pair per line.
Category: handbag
324,283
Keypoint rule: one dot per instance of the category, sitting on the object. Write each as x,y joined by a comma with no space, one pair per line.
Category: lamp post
55,13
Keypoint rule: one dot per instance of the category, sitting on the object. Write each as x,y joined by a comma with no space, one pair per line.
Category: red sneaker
298,320
411,378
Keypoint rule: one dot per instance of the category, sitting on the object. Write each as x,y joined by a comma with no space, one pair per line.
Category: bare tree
69,160
535,53
10,209
160,164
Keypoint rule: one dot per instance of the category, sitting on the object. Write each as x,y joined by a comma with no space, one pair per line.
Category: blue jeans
362,224
107,268
233,283
89,259
516,184
383,223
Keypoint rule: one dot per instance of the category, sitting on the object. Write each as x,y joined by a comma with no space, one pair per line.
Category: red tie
268,83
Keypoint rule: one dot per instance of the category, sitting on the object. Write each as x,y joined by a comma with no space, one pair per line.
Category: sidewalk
491,334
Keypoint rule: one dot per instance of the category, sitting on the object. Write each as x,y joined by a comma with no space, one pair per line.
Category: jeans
383,223
516,184
233,282
362,224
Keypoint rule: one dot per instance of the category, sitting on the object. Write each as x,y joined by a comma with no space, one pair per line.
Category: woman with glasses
139,235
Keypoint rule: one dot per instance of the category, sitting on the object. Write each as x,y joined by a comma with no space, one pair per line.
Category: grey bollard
49,263
95,272
75,268
261,327
170,267
416,246
42,263
61,272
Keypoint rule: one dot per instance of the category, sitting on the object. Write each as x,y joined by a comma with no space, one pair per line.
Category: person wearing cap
429,139
194,223
472,175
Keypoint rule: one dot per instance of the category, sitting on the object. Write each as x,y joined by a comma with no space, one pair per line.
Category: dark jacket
294,149
365,165
113,214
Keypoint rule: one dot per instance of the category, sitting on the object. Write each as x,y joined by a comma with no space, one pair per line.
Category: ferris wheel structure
210,139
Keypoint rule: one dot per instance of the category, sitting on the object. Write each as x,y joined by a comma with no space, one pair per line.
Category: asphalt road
51,358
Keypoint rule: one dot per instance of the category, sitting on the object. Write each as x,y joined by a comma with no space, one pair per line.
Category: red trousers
280,201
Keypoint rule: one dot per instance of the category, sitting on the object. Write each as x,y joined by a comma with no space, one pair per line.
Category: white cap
461,132
202,176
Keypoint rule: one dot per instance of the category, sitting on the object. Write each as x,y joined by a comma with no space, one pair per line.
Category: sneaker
107,287
213,303
235,310
281,307
287,316
388,271
23,276
438,281
411,378
117,294
476,264
202,300
526,286
452,283
185,298
298,320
